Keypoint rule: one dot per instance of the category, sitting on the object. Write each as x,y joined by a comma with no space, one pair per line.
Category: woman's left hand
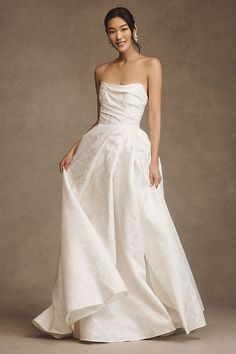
154,174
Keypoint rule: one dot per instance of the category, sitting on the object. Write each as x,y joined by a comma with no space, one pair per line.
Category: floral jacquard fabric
122,273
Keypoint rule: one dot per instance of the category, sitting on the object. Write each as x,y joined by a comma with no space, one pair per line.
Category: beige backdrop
49,50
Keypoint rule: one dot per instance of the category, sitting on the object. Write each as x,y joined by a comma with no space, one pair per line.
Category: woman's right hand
65,162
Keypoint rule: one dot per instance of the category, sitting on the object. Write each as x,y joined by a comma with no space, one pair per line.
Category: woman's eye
123,29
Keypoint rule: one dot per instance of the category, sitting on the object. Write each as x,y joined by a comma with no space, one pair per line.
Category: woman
122,273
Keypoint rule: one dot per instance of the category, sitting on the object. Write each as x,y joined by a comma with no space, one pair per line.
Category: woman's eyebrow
119,26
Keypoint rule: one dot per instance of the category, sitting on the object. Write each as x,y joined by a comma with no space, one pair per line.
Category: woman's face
119,34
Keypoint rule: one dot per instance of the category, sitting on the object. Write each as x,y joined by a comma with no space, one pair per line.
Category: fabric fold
122,272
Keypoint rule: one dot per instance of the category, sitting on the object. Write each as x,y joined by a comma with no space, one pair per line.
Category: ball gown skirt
122,271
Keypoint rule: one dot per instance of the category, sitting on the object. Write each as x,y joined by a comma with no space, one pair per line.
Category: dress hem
71,334
172,331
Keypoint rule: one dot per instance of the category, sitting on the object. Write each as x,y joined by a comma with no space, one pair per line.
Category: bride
123,274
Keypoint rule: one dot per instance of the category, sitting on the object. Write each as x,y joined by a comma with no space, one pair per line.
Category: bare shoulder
154,69
152,66
153,63
99,70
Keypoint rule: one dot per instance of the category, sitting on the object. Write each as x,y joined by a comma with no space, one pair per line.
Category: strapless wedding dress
122,270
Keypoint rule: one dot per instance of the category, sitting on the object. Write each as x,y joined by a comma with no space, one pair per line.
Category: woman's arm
154,117
154,107
66,160
75,146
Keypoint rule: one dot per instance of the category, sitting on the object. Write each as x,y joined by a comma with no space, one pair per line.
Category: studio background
49,50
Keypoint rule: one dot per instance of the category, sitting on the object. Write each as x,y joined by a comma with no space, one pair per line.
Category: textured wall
48,53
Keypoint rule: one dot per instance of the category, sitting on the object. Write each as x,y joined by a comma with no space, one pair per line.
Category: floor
19,336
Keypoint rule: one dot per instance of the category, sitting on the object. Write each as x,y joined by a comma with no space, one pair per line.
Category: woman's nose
119,35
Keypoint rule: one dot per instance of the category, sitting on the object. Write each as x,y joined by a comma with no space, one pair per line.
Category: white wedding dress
122,271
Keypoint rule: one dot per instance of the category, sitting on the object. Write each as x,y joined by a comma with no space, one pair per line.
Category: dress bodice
122,104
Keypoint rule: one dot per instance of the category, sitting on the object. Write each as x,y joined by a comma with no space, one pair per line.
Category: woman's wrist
154,162
72,151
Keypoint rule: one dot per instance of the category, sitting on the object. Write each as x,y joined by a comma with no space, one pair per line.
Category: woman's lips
120,44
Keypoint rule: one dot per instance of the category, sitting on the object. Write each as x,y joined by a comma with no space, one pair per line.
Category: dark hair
127,17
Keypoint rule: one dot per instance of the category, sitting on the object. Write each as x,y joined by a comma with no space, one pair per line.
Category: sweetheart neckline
131,83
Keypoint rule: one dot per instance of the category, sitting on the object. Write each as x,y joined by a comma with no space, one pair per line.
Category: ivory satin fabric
122,272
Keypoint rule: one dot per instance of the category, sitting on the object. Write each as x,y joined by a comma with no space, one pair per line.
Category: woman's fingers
61,165
155,180
64,164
